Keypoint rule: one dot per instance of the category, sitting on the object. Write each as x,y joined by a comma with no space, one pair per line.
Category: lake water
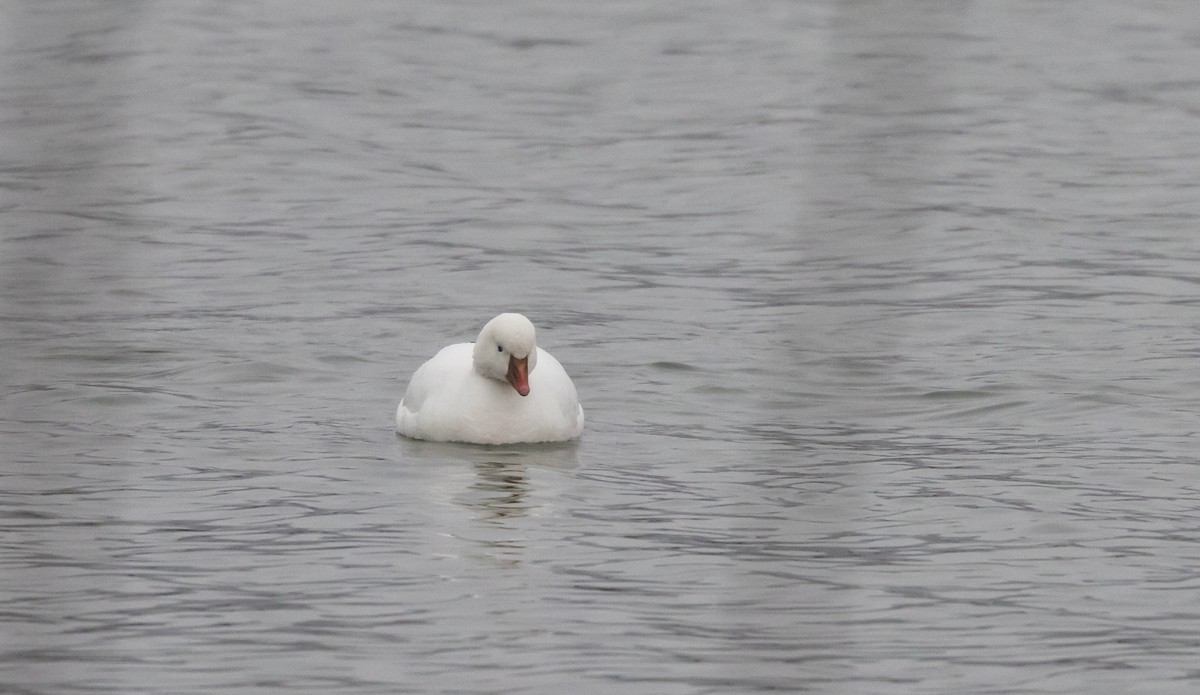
884,316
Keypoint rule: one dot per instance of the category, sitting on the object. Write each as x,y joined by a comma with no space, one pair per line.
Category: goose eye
499,348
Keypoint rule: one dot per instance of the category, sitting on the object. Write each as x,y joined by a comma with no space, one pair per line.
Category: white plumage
472,392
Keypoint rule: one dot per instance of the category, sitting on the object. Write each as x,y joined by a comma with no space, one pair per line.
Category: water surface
884,320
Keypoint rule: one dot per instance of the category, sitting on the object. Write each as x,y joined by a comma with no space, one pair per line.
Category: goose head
505,350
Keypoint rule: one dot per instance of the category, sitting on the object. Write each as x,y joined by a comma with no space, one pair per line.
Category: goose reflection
500,489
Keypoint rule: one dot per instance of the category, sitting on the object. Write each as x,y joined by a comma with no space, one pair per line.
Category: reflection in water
496,493
499,494
502,487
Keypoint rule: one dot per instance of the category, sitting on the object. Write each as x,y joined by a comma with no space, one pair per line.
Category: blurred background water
884,316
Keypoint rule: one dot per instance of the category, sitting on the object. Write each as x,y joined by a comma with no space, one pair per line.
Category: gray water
884,316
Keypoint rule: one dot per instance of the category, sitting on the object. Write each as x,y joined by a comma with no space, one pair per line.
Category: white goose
503,389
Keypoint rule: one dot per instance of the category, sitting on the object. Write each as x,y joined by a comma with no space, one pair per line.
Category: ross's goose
502,389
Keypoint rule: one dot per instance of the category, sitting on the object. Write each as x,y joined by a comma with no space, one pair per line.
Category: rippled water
884,316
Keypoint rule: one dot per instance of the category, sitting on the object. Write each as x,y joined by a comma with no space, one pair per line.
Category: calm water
884,316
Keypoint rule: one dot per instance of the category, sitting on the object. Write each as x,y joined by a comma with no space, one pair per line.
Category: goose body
501,389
